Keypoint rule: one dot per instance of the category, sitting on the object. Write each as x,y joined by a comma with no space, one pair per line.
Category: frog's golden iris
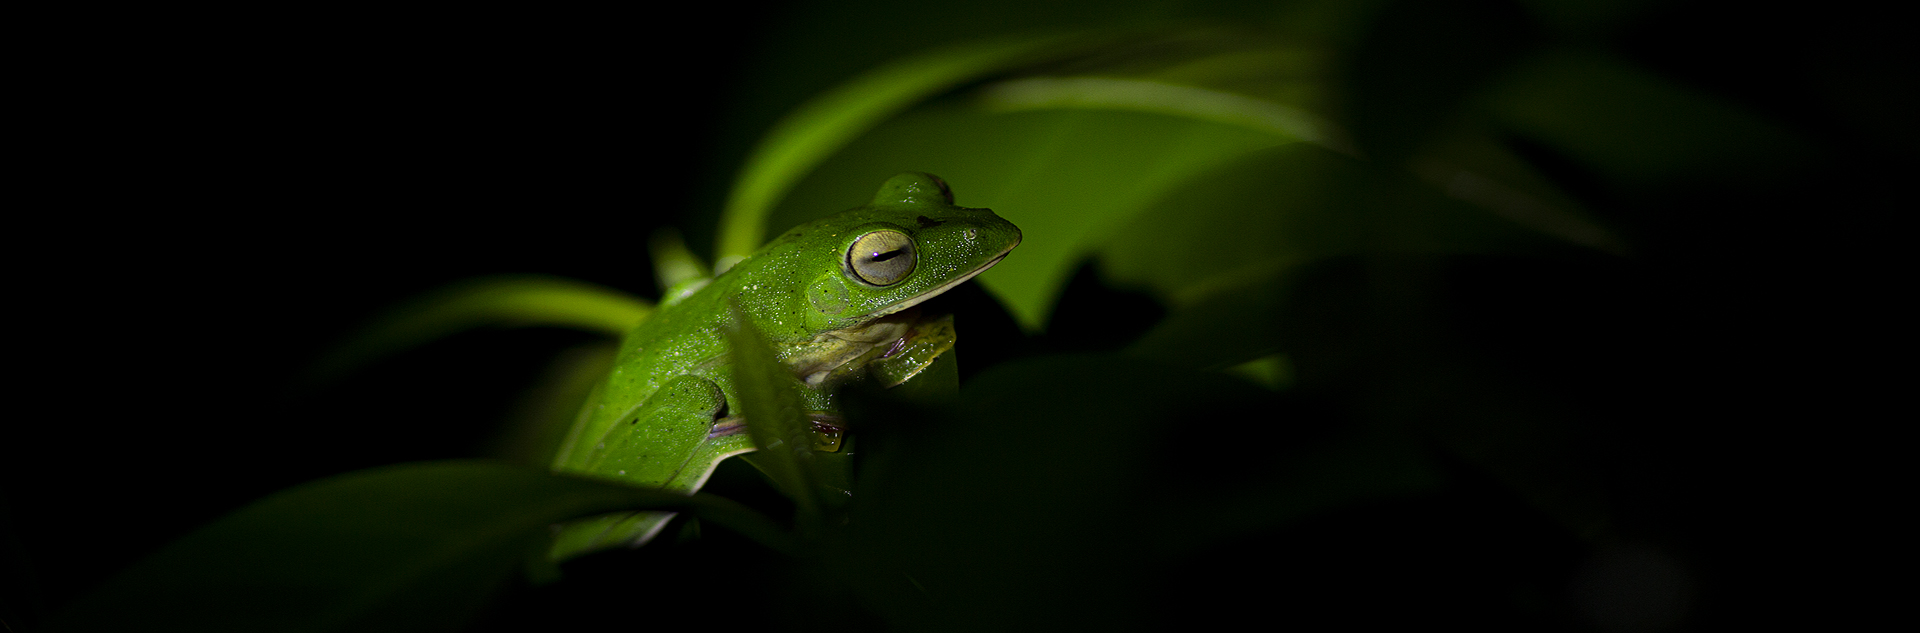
882,258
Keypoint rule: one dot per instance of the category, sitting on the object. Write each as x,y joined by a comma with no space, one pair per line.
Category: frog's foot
914,351
727,426
829,429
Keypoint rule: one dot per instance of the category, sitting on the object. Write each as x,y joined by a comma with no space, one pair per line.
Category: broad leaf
823,125
410,547
1062,487
1065,177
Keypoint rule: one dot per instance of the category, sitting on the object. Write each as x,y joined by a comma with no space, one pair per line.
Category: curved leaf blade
408,547
820,127
770,400
504,301
1160,97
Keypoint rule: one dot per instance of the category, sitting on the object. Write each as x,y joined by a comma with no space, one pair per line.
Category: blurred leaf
507,301
1470,165
1081,146
1065,177
775,416
1157,97
1506,363
1635,127
826,123
1241,323
1242,229
1061,486
402,548
675,267
544,414
1272,371
1417,65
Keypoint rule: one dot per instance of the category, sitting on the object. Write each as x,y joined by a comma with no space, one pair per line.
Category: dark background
211,200
217,199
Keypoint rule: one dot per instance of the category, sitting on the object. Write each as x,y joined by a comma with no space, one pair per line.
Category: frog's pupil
881,257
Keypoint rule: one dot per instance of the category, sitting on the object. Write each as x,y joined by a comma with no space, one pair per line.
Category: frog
838,299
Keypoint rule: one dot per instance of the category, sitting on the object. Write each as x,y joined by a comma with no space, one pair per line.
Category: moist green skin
661,418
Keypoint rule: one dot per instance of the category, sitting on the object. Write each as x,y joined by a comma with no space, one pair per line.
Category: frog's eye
881,258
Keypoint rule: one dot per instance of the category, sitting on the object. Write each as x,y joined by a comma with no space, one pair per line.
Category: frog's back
678,339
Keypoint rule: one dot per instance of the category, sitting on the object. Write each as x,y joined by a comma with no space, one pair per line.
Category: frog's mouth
935,292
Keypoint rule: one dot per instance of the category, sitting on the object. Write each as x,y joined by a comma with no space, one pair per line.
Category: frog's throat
935,292
816,360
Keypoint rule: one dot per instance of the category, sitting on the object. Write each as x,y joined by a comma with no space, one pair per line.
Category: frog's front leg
667,442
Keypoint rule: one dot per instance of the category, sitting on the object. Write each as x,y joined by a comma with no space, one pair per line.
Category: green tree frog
836,298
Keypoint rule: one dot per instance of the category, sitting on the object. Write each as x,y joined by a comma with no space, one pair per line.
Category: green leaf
409,547
771,403
1159,97
673,264
1067,156
1246,227
823,125
538,423
1065,177
1636,127
506,301
1062,488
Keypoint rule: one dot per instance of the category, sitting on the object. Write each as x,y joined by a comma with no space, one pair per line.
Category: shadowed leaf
770,401
507,301
411,547
492,302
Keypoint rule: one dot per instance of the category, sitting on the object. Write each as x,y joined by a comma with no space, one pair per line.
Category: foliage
1324,309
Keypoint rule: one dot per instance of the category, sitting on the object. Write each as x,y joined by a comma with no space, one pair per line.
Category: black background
211,201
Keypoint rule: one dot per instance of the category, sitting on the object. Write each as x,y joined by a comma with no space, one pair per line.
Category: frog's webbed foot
731,425
828,429
908,355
